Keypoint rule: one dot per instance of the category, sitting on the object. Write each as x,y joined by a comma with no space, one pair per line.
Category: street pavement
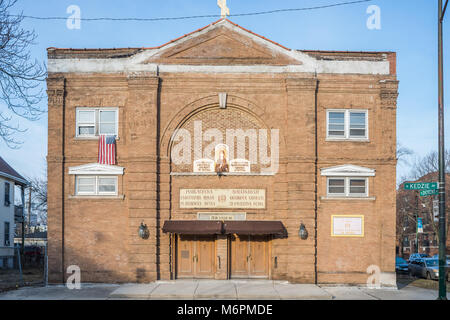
217,290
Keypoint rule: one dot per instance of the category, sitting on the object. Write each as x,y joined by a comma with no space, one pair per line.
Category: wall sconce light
144,233
303,233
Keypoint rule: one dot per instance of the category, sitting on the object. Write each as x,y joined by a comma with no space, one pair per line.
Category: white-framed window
92,122
348,124
7,200
347,187
95,185
7,235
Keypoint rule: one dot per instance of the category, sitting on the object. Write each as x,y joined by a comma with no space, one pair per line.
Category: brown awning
193,227
254,227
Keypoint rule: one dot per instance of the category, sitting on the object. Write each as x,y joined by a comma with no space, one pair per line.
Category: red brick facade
159,90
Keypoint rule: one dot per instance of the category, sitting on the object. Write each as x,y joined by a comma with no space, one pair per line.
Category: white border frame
347,193
96,186
96,121
362,235
347,136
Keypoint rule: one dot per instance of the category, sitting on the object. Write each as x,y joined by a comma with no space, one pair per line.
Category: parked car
436,256
417,256
425,268
401,265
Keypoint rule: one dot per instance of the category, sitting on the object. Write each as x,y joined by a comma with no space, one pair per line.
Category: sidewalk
218,290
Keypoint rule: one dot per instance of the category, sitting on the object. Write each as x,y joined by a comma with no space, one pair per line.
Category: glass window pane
358,124
86,116
86,180
107,188
107,184
336,117
103,180
336,186
357,132
336,124
358,186
86,189
107,116
86,130
86,185
109,128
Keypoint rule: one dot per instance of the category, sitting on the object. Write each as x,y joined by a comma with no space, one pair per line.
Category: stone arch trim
202,105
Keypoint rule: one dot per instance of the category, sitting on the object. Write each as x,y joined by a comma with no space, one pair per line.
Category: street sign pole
417,223
442,226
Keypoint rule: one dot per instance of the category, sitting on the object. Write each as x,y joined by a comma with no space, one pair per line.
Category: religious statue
221,159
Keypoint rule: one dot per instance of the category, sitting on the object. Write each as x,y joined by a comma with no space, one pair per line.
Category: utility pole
29,210
442,226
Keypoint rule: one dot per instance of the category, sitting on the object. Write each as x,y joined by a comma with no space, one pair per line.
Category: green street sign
425,193
421,186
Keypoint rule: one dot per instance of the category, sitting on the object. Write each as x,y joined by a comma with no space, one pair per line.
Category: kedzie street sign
432,192
421,186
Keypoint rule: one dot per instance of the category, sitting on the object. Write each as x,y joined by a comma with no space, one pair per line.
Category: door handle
218,258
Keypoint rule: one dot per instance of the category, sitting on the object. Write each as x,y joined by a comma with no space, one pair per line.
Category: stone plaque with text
222,198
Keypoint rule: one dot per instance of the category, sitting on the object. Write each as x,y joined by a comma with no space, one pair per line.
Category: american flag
107,149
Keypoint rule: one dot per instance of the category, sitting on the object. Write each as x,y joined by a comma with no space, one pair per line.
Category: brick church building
235,157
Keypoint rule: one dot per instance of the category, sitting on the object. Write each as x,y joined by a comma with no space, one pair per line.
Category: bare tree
428,164
20,76
38,190
402,153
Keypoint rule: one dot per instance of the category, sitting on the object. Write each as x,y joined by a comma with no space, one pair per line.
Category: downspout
315,179
158,178
63,133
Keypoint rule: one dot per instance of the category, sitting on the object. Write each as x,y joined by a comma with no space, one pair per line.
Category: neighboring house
410,206
9,213
330,116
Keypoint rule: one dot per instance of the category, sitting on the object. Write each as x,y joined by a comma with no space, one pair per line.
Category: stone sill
222,174
348,198
89,138
347,140
97,197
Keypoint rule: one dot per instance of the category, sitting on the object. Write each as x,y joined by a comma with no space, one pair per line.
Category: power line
200,16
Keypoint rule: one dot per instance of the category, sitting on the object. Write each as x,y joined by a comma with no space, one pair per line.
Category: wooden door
249,256
185,256
205,257
259,260
195,257
239,256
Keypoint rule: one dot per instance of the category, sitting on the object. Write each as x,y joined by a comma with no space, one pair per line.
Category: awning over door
254,227
192,227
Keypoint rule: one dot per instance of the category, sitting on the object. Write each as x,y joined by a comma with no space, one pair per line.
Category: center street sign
432,192
421,186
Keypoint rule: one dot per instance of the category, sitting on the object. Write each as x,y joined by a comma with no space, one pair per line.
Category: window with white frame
7,236
92,122
347,187
347,124
96,185
7,200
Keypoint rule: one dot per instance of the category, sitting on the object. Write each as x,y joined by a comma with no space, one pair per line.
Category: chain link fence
24,268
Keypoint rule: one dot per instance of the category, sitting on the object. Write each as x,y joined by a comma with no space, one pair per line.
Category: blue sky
408,27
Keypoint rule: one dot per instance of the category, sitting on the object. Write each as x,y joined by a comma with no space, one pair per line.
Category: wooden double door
196,257
249,256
